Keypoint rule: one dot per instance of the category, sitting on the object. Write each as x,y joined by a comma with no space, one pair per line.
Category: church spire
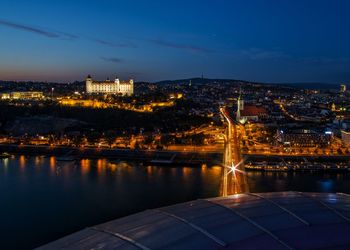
240,105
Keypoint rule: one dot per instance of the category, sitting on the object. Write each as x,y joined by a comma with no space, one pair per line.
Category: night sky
266,40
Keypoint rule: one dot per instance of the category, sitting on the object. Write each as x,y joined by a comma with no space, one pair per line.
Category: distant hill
313,85
199,80
195,80
307,85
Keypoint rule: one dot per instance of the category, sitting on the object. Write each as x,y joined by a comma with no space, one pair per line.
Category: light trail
234,178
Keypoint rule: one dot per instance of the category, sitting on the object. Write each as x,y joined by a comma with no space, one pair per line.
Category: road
234,177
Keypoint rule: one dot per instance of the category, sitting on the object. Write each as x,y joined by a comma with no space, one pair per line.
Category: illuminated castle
110,87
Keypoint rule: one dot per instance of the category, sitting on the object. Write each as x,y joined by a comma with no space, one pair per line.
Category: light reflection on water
57,198
22,161
85,166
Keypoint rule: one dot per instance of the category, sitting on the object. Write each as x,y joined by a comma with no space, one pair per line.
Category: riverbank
186,158
297,163
156,157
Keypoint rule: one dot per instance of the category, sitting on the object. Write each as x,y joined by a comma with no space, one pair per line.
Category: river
42,199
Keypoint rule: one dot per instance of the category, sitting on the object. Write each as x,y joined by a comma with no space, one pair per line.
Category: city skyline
283,41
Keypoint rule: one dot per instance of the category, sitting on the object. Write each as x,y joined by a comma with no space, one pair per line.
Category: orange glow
186,171
22,161
101,163
85,166
149,170
102,105
112,167
52,163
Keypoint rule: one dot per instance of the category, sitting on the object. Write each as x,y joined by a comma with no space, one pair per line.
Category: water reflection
5,161
149,170
205,177
112,167
235,181
120,188
204,168
85,166
186,171
101,163
37,161
52,163
22,161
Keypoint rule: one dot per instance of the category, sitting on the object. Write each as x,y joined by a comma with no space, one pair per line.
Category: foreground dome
282,220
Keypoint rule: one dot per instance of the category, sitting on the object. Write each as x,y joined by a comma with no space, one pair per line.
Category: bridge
234,178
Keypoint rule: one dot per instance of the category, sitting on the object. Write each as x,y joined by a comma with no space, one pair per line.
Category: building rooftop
252,110
108,81
281,220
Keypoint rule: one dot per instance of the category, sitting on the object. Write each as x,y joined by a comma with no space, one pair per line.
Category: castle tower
88,84
117,85
131,87
116,80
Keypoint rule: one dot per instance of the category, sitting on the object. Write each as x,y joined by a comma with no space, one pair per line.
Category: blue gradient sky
262,40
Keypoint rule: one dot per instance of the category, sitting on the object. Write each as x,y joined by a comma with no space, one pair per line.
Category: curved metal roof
282,220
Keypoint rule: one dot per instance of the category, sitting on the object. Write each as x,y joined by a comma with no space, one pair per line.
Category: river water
42,199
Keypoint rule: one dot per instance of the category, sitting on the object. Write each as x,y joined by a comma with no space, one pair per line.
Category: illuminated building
248,112
334,108
176,96
345,137
25,95
109,87
303,137
342,88
5,96
253,113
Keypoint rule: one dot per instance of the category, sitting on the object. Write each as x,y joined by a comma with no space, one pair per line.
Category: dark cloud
188,47
62,35
112,59
113,44
68,35
128,44
30,29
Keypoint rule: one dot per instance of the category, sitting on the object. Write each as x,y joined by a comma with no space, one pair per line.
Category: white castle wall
108,87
